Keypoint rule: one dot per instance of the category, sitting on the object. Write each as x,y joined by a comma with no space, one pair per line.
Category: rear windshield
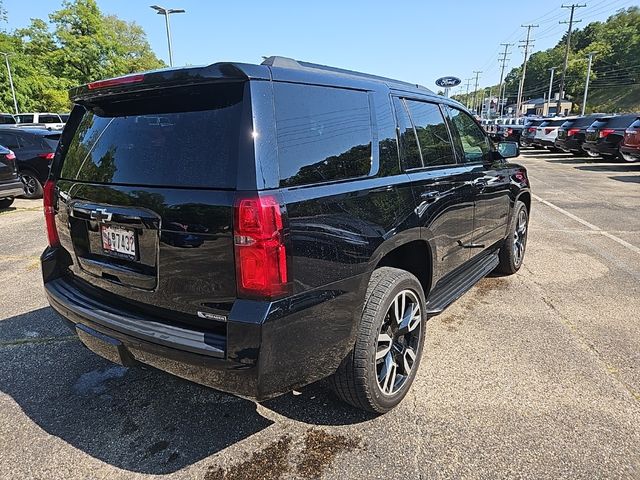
52,140
599,123
635,124
623,121
583,122
184,138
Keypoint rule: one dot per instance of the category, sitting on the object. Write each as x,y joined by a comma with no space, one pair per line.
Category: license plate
118,241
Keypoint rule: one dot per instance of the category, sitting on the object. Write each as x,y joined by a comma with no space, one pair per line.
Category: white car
547,132
45,120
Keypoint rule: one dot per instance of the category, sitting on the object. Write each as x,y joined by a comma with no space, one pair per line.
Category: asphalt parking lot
531,376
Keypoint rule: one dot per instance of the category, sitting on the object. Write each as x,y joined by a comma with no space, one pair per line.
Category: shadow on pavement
627,178
612,167
141,420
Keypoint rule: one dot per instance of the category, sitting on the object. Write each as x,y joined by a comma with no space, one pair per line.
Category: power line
503,61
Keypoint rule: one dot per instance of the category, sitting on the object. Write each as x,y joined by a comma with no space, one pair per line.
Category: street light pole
13,91
552,69
586,85
166,12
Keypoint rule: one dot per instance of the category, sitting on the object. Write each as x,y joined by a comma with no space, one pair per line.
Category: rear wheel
592,154
32,186
379,371
512,251
5,202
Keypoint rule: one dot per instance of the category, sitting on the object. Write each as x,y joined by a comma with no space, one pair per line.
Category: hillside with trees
615,74
77,44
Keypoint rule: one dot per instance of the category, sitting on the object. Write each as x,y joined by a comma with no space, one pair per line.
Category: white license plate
118,240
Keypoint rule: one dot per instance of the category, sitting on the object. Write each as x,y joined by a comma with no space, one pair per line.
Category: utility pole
466,96
527,43
571,21
552,69
13,90
586,85
503,60
475,91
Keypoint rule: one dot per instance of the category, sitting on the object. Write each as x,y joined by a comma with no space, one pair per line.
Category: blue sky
416,41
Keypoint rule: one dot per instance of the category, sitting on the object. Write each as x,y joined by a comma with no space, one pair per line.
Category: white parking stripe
590,226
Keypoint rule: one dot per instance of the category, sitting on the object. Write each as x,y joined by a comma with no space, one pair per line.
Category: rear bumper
263,350
11,189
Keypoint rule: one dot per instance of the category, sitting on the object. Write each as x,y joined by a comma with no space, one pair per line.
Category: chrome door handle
430,195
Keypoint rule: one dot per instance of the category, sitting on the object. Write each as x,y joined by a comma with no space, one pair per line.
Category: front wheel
512,251
379,371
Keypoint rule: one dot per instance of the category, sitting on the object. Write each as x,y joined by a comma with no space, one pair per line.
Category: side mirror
508,149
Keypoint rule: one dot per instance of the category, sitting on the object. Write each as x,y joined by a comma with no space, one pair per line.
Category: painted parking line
590,226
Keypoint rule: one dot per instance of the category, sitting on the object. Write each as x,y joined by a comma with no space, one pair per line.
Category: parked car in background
10,185
630,148
316,248
546,133
7,119
529,132
34,149
571,134
44,120
605,135
510,130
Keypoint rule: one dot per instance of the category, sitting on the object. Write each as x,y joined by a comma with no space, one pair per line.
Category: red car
630,148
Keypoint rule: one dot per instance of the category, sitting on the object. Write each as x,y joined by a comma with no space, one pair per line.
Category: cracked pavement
531,376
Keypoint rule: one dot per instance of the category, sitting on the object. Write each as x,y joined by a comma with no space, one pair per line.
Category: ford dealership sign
448,82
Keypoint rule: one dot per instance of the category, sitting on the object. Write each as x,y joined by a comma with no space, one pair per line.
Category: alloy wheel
30,185
520,237
398,342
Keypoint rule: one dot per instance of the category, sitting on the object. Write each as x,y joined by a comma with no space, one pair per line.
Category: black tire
577,154
357,380
5,202
31,184
513,249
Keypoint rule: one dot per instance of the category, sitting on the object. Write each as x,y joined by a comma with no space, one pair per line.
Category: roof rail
285,62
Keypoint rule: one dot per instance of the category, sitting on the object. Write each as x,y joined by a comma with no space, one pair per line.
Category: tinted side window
408,141
25,118
432,133
9,140
324,134
471,142
49,119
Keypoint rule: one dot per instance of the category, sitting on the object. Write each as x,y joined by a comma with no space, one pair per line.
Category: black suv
606,134
256,228
572,133
34,148
10,185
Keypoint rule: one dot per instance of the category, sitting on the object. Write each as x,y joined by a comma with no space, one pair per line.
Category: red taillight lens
261,257
10,155
572,131
114,82
532,129
46,156
605,132
49,198
547,131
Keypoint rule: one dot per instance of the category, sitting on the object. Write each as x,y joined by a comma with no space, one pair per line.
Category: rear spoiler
166,78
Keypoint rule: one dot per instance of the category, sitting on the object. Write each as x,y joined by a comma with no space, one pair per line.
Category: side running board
444,295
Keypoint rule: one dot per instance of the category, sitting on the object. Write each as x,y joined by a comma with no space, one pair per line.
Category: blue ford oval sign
448,82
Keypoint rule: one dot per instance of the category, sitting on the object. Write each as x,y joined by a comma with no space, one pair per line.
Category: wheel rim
520,237
592,154
398,342
30,185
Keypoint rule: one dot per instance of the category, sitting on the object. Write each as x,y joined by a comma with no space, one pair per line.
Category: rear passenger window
323,133
432,133
49,119
471,142
9,140
408,141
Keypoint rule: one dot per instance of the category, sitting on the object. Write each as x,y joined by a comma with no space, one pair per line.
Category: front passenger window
472,144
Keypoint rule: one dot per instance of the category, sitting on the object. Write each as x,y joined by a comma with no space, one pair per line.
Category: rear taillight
261,257
606,132
114,82
572,131
10,155
49,198
46,156
547,131
532,129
